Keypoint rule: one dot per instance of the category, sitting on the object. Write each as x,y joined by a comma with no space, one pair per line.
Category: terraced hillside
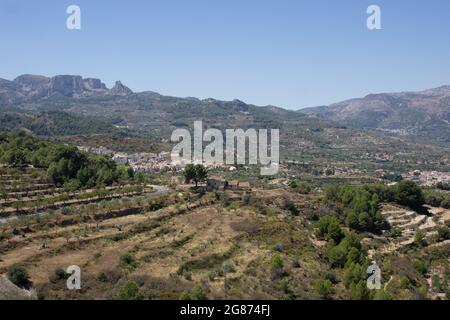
42,219
408,224
165,243
172,243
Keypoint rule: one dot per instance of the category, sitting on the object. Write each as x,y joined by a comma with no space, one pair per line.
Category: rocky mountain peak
120,90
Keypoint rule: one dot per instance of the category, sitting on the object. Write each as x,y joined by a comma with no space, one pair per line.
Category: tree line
65,165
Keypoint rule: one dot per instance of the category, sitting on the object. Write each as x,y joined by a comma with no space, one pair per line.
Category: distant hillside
421,116
53,123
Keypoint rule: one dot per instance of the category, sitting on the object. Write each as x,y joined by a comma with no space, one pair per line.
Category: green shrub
284,285
19,276
419,239
291,207
185,296
436,283
128,260
404,282
420,266
324,288
443,233
383,295
61,274
102,276
349,250
329,228
293,184
276,263
394,232
130,291
421,292
197,293
359,291
304,187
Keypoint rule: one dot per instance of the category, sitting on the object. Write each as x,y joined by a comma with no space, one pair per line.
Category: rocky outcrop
29,87
9,291
91,84
10,92
120,90
68,86
33,86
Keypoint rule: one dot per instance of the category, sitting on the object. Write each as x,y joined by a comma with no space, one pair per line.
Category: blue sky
289,53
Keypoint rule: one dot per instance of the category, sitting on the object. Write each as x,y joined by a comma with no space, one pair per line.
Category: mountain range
378,131
420,116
